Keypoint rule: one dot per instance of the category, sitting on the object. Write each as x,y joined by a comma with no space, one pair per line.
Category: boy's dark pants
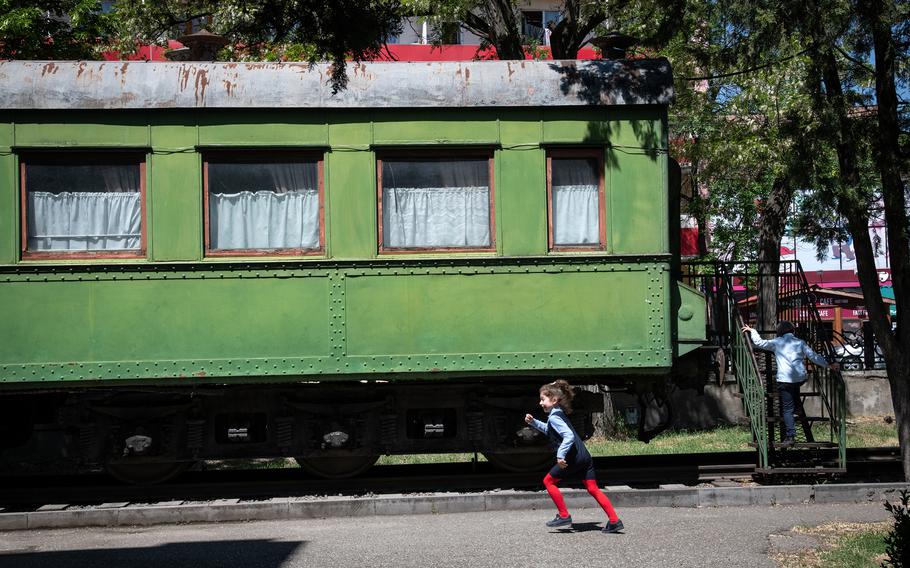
790,402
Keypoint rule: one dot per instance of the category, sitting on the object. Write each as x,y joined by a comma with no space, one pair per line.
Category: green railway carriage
202,261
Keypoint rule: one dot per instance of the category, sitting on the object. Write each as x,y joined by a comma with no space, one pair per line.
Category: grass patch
840,545
861,550
428,458
871,432
864,432
255,463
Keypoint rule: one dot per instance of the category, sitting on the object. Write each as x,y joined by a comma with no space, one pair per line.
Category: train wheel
146,473
521,462
337,467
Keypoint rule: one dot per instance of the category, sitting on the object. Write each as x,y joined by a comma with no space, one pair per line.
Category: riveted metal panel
293,322
519,311
166,320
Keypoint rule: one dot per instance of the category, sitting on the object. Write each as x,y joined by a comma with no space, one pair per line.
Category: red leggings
591,485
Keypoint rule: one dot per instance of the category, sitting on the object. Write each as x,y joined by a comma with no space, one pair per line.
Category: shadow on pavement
206,554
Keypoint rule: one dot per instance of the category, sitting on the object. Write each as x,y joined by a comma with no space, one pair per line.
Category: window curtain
436,203
83,207
263,206
576,201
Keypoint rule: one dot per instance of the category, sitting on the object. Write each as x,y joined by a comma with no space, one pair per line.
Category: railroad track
24,493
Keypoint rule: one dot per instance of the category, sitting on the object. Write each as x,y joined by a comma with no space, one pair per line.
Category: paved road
658,537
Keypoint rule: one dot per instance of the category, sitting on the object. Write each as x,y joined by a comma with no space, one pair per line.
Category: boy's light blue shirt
790,353
559,424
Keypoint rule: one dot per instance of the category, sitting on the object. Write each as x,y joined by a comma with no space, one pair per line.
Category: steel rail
28,493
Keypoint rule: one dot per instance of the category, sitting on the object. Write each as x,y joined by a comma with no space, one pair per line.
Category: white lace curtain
576,201
83,207
436,203
263,206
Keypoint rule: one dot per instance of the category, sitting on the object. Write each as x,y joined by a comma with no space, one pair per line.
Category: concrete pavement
680,537
61,515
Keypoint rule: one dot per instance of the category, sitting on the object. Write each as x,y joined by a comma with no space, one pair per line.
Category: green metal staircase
818,449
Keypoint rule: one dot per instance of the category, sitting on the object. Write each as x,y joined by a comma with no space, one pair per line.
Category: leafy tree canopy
53,29
332,31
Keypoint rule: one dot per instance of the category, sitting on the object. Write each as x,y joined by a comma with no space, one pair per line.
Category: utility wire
749,70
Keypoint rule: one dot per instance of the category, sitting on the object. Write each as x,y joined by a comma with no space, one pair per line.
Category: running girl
572,458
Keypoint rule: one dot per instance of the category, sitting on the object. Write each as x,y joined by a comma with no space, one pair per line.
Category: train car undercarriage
152,434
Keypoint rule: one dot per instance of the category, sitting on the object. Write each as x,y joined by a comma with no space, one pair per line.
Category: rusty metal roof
160,85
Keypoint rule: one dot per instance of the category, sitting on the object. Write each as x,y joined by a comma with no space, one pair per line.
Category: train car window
257,204
575,192
83,205
437,204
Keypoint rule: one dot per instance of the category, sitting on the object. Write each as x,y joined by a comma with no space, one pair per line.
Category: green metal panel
9,206
501,313
170,134
689,306
59,129
351,198
263,128
166,320
522,202
630,128
637,203
174,198
423,126
174,191
459,313
334,320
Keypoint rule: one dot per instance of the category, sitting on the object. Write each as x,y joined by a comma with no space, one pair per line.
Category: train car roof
75,85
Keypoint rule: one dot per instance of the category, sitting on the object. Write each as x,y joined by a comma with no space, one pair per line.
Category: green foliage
272,52
53,29
278,30
897,542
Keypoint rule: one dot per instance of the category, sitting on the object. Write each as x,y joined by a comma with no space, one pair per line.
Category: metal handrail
749,378
795,305
831,382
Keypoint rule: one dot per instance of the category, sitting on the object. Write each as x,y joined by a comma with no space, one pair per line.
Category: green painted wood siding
633,139
177,313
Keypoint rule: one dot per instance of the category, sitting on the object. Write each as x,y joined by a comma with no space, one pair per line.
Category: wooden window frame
597,154
75,157
431,154
260,156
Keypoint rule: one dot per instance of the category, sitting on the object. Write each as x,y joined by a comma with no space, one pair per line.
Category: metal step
804,445
776,394
798,445
780,419
800,470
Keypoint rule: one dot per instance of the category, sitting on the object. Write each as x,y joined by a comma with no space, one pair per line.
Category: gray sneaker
560,521
613,527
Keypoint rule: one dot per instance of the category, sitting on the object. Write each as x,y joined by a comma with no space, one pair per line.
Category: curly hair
561,391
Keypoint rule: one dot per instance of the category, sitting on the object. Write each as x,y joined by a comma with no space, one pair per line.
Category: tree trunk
854,209
570,33
498,25
771,230
896,352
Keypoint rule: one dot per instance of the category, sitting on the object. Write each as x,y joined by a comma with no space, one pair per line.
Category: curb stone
228,510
